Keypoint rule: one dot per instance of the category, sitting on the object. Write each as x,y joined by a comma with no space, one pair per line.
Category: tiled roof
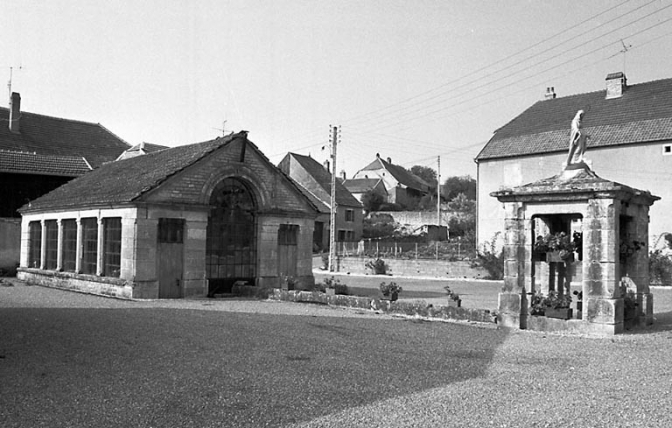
401,174
33,163
125,180
322,207
642,114
361,185
53,136
323,178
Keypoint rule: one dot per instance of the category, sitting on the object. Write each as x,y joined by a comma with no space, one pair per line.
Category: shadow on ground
167,367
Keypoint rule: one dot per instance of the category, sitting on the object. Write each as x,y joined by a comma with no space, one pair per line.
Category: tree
426,173
453,186
378,226
372,201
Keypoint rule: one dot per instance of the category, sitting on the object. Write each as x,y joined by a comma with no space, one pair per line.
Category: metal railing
438,250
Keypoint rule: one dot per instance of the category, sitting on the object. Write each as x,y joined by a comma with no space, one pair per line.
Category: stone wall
417,268
10,243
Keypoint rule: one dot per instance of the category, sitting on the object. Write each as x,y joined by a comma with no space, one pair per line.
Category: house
38,154
402,186
315,179
360,186
191,220
629,130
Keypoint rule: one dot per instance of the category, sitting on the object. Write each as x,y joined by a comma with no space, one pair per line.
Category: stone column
43,246
101,248
513,300
602,303
59,250
78,256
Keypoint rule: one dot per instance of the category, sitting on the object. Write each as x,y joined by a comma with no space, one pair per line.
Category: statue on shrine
577,141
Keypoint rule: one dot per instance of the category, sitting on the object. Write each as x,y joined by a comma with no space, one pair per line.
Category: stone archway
231,241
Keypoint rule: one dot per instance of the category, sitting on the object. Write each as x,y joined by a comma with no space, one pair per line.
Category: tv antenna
223,128
624,51
9,83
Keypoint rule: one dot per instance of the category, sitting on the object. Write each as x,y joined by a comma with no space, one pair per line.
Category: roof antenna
9,83
624,51
223,128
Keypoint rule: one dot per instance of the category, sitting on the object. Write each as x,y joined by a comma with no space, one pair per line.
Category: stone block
604,311
510,303
602,271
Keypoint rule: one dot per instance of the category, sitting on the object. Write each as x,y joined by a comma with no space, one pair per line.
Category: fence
444,250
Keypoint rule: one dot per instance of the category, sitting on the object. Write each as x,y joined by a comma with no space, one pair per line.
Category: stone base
541,323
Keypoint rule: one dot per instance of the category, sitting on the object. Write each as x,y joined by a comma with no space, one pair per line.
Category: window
341,236
112,248
51,253
350,215
667,149
35,244
171,230
350,235
89,245
69,245
287,234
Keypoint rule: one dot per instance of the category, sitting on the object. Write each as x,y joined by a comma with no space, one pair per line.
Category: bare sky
410,80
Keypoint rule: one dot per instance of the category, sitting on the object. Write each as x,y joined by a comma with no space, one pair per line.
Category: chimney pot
14,112
550,93
389,160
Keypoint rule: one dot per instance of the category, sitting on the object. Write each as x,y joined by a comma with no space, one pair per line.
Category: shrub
660,268
378,266
490,259
390,288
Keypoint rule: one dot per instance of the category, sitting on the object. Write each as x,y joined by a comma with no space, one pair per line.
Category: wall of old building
641,166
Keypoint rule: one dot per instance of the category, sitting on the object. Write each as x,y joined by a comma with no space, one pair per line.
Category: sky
414,81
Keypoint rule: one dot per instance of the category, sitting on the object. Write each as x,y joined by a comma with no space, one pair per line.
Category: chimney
616,84
343,175
326,165
14,112
550,93
389,160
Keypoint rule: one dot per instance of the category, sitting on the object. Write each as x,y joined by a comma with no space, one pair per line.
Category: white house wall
641,166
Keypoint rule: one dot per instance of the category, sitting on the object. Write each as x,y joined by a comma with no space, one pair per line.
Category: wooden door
287,250
170,254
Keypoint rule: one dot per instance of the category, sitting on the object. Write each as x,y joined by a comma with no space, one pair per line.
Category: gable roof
51,136
323,178
361,185
21,162
125,180
642,114
401,174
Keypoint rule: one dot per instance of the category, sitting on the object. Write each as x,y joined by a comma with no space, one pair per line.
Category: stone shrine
605,226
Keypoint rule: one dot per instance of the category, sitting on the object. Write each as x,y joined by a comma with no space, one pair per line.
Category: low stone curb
404,307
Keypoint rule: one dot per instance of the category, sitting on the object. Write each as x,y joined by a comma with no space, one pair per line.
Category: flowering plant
390,288
560,242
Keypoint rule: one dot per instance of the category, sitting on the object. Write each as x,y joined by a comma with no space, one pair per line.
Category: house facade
190,220
38,154
360,186
315,180
402,187
629,130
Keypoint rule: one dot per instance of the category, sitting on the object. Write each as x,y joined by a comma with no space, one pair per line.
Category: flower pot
560,313
455,303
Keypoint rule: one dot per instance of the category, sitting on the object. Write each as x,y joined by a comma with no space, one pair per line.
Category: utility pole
438,191
332,218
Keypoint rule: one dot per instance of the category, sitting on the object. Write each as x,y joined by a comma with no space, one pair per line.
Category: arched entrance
231,253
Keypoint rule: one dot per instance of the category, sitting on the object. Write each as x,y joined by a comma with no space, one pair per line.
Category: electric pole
332,218
438,191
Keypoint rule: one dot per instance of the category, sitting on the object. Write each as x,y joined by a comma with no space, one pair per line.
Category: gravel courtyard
74,360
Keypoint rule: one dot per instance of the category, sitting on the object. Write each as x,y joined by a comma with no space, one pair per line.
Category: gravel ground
76,360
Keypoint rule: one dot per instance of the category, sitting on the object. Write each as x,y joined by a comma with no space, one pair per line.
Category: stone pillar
100,261
603,306
78,256
43,246
513,302
59,251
